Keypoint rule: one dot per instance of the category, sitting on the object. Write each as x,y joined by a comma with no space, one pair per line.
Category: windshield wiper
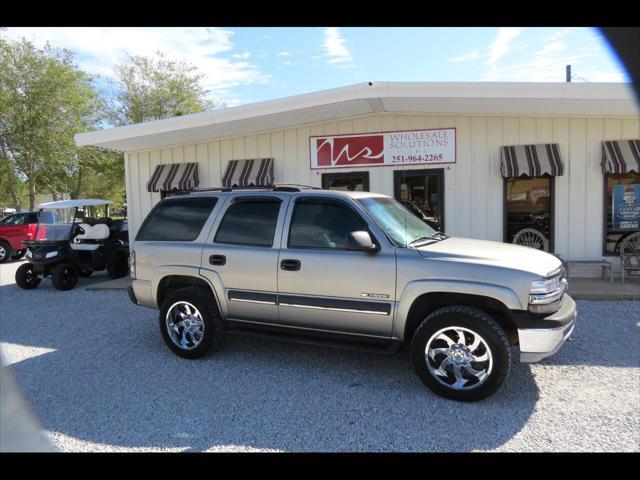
440,235
426,239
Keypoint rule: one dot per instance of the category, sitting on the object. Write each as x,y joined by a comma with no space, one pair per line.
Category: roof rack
279,187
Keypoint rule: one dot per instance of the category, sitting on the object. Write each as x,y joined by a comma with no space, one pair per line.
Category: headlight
51,254
545,295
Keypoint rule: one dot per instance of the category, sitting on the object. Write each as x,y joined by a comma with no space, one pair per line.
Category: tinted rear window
249,223
177,219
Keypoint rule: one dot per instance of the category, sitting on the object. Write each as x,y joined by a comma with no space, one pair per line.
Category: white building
447,141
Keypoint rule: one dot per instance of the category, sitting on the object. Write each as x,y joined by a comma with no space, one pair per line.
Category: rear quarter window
177,219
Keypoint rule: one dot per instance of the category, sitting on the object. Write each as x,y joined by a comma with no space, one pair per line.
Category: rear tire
26,277
118,266
202,311
64,276
19,254
461,353
5,251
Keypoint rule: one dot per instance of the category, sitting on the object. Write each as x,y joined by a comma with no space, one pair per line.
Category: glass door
422,192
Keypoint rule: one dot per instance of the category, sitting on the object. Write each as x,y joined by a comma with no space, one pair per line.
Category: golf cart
68,245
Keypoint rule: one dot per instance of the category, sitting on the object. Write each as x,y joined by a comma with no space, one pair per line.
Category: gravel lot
100,378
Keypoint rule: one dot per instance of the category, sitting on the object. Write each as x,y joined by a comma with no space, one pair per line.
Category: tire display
530,237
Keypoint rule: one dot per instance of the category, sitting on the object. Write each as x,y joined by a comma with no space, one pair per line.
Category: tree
44,101
152,88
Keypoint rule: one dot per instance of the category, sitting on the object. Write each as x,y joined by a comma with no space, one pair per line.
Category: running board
319,339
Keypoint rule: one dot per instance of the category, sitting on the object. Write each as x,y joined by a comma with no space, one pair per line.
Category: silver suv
351,269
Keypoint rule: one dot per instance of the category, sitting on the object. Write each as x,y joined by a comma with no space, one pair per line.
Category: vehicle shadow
110,380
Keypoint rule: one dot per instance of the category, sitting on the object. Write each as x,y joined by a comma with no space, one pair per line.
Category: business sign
626,207
412,147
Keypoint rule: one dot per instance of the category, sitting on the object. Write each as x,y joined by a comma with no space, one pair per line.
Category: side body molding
419,287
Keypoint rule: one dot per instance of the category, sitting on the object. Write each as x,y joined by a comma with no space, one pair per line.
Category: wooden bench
604,264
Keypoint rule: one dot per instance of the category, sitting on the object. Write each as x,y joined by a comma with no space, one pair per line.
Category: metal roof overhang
581,99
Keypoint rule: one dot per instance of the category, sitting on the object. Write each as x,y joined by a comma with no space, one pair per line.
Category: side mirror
361,241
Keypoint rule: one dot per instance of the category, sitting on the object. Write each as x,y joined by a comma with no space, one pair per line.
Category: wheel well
174,282
429,302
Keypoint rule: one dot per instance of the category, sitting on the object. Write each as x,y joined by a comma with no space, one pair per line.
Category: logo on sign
333,151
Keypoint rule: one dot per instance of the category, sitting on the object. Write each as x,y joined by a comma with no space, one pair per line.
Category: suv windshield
399,223
54,224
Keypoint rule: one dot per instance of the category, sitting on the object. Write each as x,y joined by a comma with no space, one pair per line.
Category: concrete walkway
112,284
597,289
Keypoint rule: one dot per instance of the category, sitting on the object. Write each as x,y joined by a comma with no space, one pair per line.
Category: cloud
335,50
501,44
283,54
97,50
474,55
547,63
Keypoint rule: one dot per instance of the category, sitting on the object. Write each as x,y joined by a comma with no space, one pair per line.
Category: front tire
461,353
190,322
26,277
64,276
5,251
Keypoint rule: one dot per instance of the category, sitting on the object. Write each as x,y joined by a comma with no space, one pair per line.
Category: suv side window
249,222
322,224
177,219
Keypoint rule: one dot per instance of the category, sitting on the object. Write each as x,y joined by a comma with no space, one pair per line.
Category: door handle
290,264
217,259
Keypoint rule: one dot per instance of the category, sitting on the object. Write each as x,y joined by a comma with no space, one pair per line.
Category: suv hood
498,254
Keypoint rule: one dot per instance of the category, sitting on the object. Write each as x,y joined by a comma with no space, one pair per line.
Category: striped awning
531,160
249,173
621,156
170,176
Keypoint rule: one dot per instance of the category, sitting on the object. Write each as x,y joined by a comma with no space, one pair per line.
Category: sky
246,65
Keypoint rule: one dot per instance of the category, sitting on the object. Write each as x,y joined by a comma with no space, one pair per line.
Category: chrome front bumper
538,343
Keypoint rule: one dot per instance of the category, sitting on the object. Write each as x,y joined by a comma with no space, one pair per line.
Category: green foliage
152,88
45,100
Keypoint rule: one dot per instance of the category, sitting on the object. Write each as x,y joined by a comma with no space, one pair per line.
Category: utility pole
568,80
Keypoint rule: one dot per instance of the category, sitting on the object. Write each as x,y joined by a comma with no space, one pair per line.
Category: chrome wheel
184,325
3,253
458,358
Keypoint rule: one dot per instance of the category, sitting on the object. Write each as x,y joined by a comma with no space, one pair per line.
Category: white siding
473,186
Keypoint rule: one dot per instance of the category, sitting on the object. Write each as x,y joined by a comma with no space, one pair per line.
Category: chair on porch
630,255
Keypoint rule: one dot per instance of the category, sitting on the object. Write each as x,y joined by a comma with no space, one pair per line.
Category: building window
422,193
621,209
529,211
349,181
